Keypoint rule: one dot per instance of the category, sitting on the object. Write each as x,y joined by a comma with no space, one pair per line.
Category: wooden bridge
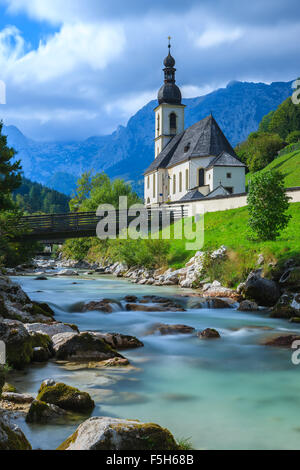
59,227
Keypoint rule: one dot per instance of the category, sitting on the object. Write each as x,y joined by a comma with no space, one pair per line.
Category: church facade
193,163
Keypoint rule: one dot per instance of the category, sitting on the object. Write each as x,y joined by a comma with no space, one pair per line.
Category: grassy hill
229,228
288,164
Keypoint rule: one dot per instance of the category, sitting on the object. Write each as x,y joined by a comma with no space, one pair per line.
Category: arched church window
148,182
174,184
154,185
158,124
187,180
148,201
180,182
173,123
201,177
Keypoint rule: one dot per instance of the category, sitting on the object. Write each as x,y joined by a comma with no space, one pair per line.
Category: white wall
237,180
162,135
175,171
196,164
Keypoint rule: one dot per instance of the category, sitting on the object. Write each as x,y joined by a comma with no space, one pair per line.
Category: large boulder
171,329
11,436
65,397
120,342
209,333
119,434
2,378
82,347
50,330
248,306
288,306
18,343
283,341
19,398
264,291
41,412
104,306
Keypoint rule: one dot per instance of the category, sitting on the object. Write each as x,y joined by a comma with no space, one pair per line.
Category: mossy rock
18,343
8,388
2,378
39,308
41,412
12,438
119,434
66,397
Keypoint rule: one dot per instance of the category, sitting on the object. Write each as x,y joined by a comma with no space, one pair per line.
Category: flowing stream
231,393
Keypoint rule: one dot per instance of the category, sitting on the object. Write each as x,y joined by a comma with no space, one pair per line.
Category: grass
185,444
229,228
289,165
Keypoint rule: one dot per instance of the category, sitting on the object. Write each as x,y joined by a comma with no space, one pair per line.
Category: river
231,393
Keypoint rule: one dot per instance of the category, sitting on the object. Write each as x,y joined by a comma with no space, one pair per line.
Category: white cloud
130,104
216,36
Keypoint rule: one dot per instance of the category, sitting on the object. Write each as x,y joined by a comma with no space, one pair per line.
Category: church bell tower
169,114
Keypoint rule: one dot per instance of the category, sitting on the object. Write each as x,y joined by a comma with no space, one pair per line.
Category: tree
10,173
293,137
267,204
84,186
259,150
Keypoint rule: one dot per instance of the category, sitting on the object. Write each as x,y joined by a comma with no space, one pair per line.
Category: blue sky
77,68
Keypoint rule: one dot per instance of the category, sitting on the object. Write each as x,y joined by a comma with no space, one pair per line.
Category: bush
259,150
267,205
293,137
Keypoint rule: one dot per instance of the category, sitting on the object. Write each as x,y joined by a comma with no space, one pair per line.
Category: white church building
190,164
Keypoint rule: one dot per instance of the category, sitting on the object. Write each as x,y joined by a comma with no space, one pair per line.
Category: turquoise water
231,393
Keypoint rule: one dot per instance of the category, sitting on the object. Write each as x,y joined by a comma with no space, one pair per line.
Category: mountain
129,150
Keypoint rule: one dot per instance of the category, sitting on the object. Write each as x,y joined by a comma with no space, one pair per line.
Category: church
190,164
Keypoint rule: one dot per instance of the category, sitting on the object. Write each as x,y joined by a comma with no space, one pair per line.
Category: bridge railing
86,222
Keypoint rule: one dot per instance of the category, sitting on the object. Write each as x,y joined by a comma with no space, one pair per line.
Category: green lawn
229,228
289,165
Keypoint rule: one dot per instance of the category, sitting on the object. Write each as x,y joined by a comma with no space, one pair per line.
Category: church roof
205,138
193,195
225,159
219,191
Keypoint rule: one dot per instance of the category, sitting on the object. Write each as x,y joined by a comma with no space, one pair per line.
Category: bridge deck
83,224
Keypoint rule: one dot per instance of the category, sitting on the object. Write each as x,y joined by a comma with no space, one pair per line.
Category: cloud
104,61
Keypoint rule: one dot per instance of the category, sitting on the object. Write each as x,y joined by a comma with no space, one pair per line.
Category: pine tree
10,176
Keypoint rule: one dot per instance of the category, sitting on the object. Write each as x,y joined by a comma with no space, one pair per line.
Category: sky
79,68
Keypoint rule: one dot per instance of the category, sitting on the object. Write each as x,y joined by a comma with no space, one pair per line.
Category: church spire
169,92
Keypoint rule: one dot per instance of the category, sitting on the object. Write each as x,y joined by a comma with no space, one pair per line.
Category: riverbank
177,375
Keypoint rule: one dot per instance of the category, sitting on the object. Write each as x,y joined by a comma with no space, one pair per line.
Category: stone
131,299
248,306
119,435
260,260
41,278
82,347
68,273
66,397
263,291
288,306
40,354
284,341
18,342
41,412
218,303
209,333
50,329
171,329
120,342
20,398
102,306
11,436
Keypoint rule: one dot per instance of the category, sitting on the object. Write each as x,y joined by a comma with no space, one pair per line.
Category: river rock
40,354
20,398
50,329
264,291
66,397
171,329
68,273
120,342
218,303
209,333
102,306
82,347
18,343
283,341
11,436
288,306
41,412
119,435
131,299
248,306
41,278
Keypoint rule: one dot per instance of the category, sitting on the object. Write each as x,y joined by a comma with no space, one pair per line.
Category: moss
19,353
66,397
40,340
65,445
37,411
74,327
41,309
8,388
15,440
2,378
